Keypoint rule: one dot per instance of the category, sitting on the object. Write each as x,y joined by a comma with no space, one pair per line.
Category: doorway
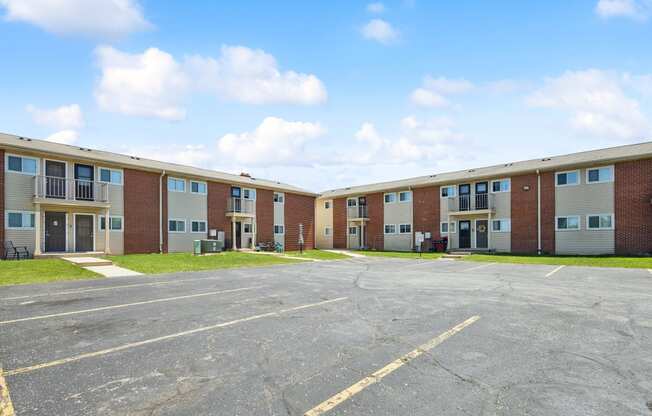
465,197
481,234
84,178
238,234
84,235
481,195
465,234
55,179
55,232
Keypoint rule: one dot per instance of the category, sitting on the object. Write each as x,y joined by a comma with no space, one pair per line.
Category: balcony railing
471,203
55,188
357,212
241,206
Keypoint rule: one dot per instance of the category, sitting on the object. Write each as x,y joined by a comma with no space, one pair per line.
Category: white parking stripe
125,305
555,271
478,267
649,270
166,337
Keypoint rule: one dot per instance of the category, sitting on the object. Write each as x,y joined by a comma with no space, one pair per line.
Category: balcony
241,207
55,190
357,213
463,204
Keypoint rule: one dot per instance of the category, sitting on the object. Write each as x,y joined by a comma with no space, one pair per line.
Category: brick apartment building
595,202
57,199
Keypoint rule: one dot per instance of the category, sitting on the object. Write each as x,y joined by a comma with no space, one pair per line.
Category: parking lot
363,336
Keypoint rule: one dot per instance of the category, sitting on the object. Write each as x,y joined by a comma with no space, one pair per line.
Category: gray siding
186,206
397,213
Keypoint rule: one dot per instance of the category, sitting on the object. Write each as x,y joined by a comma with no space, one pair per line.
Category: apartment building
57,199
595,202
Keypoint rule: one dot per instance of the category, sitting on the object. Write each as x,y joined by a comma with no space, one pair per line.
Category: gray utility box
207,246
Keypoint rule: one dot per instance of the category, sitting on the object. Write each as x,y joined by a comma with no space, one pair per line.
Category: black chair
16,253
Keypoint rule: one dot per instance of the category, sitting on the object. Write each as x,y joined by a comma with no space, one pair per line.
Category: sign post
301,238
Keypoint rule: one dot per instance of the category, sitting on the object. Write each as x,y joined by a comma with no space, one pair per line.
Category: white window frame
404,232
355,200
36,159
386,194
199,222
509,185
579,223
244,228
613,173
407,200
390,233
450,187
200,183
170,178
99,175
23,214
579,178
185,226
328,204
355,229
281,226
279,198
251,191
441,227
328,231
508,221
600,228
122,223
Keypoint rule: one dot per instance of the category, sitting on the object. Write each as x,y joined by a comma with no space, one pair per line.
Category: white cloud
252,76
64,137
64,117
433,91
633,9
427,98
274,142
150,84
596,103
375,7
380,31
89,17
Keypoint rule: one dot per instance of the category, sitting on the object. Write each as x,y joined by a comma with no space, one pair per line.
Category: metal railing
357,212
55,188
241,206
471,202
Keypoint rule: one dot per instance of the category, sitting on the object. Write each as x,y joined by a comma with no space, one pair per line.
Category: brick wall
375,227
264,215
339,223
141,211
548,212
299,209
218,196
2,199
426,211
524,213
633,211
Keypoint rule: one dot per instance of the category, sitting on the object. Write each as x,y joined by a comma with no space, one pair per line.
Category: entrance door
84,177
481,236
465,234
481,195
238,234
55,231
55,179
83,233
465,197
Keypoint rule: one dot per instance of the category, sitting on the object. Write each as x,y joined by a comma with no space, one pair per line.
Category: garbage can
196,247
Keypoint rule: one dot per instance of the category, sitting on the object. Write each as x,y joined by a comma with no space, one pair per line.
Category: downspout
160,212
538,212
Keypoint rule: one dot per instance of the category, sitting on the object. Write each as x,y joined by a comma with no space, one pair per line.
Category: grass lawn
186,262
40,271
591,261
401,254
318,254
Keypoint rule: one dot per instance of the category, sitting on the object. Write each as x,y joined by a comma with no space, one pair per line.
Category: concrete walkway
104,267
347,253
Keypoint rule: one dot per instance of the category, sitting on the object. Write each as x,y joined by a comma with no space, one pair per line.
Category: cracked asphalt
575,343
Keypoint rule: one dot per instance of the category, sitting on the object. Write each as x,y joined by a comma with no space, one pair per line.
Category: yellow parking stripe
555,271
6,407
349,392
166,337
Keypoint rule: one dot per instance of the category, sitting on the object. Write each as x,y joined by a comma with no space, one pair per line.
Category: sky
331,94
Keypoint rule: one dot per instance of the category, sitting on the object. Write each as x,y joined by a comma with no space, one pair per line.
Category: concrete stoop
104,267
87,261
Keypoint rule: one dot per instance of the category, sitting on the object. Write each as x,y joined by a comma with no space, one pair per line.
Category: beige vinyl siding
323,219
279,219
116,199
581,200
397,213
25,238
186,206
501,242
19,192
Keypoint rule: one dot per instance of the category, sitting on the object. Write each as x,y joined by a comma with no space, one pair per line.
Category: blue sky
328,94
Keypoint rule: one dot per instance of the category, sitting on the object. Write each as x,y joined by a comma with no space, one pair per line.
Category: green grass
318,254
590,261
186,262
40,271
400,254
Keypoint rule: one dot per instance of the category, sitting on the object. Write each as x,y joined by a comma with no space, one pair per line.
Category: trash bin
196,247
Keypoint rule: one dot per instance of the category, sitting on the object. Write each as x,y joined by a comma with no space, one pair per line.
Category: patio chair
15,252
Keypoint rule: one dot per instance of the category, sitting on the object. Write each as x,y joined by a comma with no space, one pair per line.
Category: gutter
160,212
539,212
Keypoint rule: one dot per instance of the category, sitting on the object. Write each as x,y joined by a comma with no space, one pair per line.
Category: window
501,185
390,198
236,192
353,230
176,185
115,223
279,197
279,229
501,226
248,228
571,223
197,187
405,228
177,226
197,226
444,227
327,231
390,228
599,175
20,220
568,178
600,221
20,164
113,176
447,191
327,204
249,194
352,202
405,196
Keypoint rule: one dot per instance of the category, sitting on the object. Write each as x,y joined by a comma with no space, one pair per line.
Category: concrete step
88,261
453,256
